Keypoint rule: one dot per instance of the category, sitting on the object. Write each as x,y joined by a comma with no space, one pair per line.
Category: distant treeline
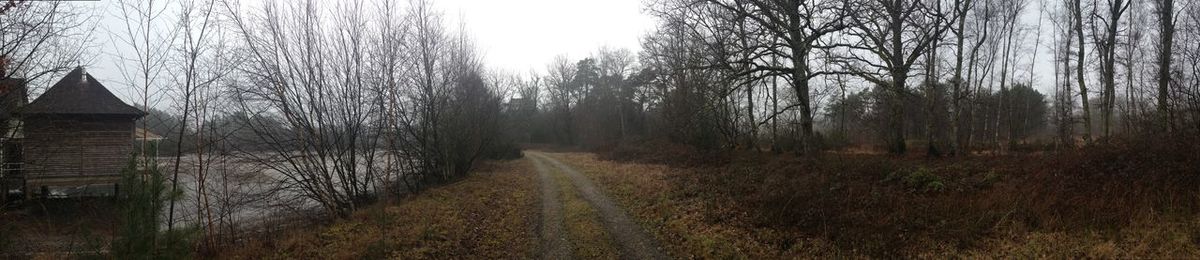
810,75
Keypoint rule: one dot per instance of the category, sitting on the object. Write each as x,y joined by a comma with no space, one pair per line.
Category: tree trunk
1108,48
896,120
955,99
931,98
1083,92
774,109
1001,112
899,74
750,140
1065,122
800,85
1166,23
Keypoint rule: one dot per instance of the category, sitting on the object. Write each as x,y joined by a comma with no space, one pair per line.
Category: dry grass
1121,200
589,238
489,215
682,224
1146,239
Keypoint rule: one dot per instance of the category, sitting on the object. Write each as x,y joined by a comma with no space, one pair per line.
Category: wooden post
45,192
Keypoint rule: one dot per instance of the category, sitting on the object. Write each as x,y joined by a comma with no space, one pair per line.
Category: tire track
632,241
554,243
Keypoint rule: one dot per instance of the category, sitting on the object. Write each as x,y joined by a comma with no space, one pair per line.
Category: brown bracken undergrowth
1124,198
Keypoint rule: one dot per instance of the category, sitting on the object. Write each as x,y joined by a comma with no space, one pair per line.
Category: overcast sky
528,34
519,36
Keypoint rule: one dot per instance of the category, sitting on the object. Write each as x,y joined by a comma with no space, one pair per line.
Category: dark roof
79,94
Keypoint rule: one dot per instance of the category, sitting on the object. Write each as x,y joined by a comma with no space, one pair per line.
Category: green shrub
143,193
921,179
924,180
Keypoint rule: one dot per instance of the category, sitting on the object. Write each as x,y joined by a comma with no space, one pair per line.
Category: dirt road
553,238
632,242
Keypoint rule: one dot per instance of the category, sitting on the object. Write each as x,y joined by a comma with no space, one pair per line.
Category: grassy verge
488,215
589,239
1107,202
681,222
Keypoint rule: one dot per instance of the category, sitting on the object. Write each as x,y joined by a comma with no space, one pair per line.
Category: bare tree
1009,20
796,29
961,8
41,38
310,81
889,37
1076,8
144,68
933,92
562,97
1134,106
686,61
441,114
202,55
616,67
1165,12
1063,104
1106,46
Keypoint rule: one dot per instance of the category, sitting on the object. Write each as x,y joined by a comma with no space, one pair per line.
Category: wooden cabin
77,133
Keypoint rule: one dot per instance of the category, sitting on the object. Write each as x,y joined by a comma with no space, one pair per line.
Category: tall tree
1133,57
1165,12
1076,8
201,70
1106,47
984,51
888,38
150,41
933,91
563,97
957,94
799,26
1010,19
1063,98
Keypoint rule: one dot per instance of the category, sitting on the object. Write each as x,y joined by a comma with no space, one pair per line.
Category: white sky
522,35
516,36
